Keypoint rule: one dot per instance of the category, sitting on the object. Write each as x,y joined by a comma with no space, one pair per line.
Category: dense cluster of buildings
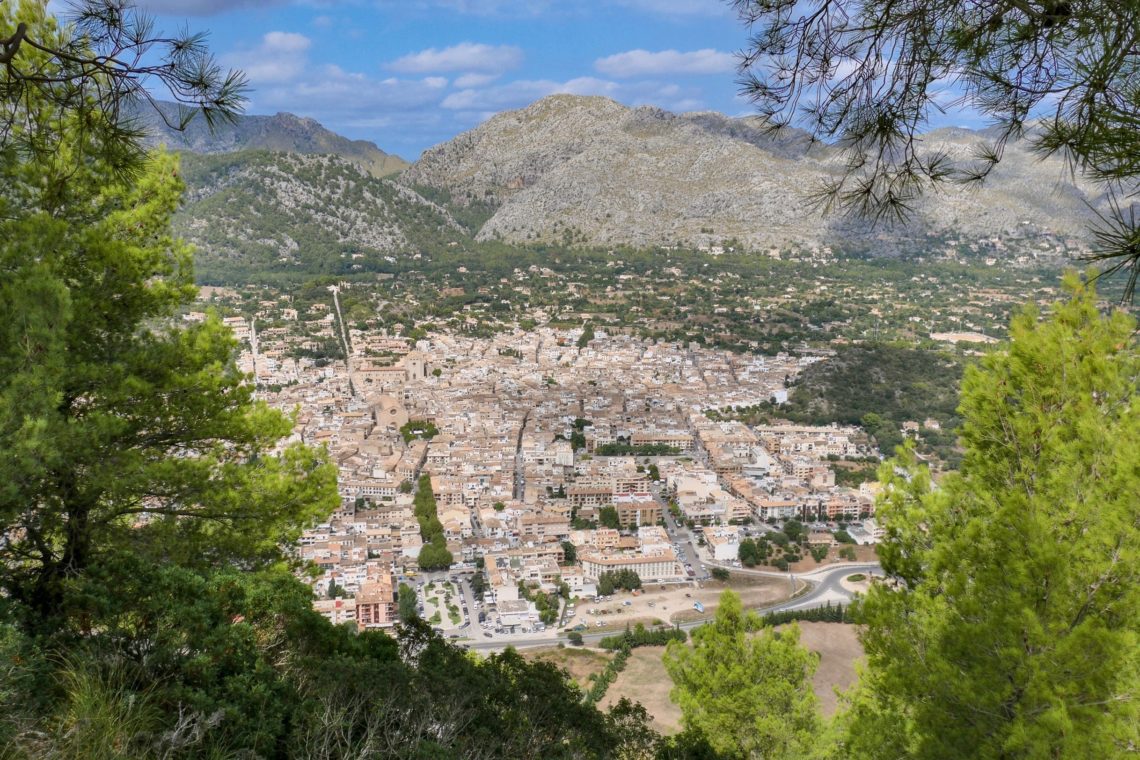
532,444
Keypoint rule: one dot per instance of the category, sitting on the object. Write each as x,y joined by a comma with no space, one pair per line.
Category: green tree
109,58
867,74
569,552
1014,628
749,555
795,531
123,431
435,555
407,602
745,689
608,517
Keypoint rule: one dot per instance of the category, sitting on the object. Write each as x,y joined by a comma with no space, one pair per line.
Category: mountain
589,170
255,212
281,132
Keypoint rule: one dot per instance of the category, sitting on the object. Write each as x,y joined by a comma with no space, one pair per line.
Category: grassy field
838,649
644,679
579,663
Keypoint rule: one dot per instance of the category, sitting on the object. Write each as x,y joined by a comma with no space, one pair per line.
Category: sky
408,74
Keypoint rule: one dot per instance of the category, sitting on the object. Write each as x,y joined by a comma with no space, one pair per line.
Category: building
661,564
637,509
376,604
723,542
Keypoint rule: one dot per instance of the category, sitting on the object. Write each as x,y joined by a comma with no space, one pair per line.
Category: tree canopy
868,75
744,689
149,606
1011,629
123,431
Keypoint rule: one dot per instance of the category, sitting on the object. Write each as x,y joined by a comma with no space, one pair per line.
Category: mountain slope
257,212
589,170
281,132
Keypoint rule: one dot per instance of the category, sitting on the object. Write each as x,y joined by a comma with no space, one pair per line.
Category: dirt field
838,649
644,680
657,605
579,663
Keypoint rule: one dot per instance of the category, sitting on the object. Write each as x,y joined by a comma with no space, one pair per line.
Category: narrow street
335,290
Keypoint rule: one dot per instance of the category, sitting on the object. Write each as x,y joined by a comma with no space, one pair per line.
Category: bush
825,614
720,574
620,579
643,637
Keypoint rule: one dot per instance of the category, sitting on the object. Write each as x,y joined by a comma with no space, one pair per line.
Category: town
543,465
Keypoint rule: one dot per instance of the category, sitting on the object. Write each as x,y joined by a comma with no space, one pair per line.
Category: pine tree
1012,628
744,689
123,431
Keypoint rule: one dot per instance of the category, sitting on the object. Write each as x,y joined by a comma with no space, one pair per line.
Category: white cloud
636,63
507,8
481,102
280,57
523,92
469,57
475,80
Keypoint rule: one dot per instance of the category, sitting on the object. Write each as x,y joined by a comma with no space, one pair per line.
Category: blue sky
408,74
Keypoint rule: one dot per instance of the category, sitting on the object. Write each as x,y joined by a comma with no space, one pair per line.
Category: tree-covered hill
257,212
879,386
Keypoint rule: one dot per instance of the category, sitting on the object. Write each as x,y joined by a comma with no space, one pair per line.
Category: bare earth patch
578,662
644,680
838,648
862,554
754,590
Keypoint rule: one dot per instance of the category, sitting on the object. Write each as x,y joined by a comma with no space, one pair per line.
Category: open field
644,680
807,564
579,663
838,648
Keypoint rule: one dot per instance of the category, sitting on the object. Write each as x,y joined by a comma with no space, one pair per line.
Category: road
335,290
825,586
253,345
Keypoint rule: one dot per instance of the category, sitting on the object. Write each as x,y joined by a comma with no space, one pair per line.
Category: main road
824,586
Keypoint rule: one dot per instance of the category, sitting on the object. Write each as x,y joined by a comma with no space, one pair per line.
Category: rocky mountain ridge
283,132
588,170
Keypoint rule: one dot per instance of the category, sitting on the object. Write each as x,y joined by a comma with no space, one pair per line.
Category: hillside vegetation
878,386
261,212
